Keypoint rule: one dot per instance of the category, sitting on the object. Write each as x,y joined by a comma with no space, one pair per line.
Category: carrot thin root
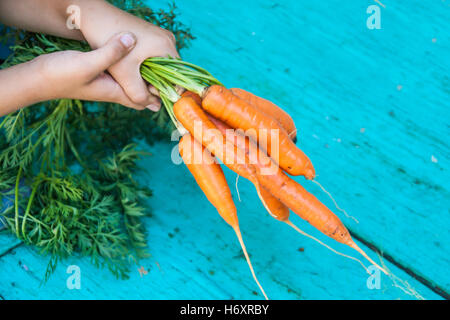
237,188
334,201
361,251
239,236
257,187
292,133
402,284
288,222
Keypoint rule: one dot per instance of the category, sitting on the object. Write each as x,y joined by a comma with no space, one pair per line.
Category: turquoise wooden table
372,108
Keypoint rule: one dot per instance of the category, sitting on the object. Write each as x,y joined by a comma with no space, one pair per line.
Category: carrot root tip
334,201
288,222
361,251
309,175
239,236
237,188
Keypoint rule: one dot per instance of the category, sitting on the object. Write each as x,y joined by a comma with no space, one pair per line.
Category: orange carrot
307,207
194,120
193,95
198,100
210,178
292,194
237,113
189,113
269,108
274,206
286,122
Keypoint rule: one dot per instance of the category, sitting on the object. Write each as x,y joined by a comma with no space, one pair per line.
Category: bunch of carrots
229,124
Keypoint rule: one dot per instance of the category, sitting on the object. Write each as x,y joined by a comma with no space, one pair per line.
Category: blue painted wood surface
372,108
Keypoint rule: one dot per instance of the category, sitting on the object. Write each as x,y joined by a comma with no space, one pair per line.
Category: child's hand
100,20
73,74
80,75
67,74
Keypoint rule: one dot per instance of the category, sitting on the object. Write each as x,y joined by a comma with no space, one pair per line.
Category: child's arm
66,74
45,16
19,87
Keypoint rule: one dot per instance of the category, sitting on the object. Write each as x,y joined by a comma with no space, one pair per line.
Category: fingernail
153,107
127,40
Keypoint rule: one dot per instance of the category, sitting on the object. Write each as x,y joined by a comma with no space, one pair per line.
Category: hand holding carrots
100,20
67,74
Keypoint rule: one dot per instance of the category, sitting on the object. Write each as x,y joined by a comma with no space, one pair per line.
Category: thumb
117,47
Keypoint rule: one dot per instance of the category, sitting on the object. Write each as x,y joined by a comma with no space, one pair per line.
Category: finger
170,45
153,90
166,46
155,104
134,86
117,47
105,88
156,101
179,90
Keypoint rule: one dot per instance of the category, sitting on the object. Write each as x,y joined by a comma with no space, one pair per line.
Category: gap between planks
426,282
7,251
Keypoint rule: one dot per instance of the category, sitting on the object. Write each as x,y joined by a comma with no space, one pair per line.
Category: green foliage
68,166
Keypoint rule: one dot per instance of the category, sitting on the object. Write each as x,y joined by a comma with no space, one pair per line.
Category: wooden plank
195,255
7,243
